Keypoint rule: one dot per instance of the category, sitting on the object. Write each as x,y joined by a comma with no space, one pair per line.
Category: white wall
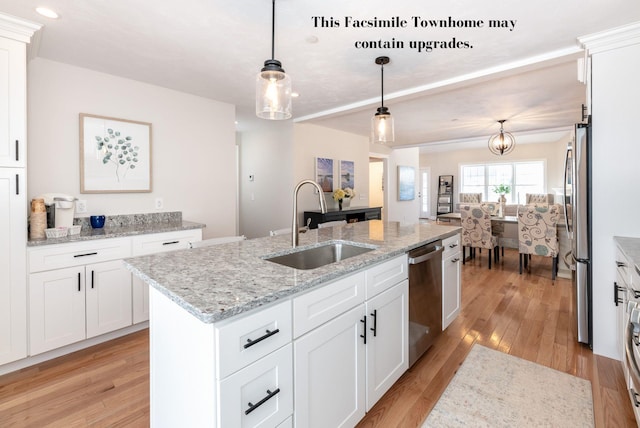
615,201
402,211
193,143
376,176
448,163
266,152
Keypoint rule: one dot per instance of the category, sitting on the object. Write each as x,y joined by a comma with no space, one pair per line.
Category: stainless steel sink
315,257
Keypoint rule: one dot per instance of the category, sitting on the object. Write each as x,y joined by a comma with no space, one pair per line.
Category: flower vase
502,201
346,202
339,204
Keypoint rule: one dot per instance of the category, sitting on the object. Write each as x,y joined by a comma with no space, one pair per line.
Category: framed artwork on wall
115,155
406,183
347,169
324,174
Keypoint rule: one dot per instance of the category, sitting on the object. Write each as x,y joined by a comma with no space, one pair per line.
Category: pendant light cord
381,85
273,29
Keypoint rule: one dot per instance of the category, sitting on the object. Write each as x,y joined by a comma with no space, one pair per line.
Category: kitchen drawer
451,246
316,307
241,342
161,242
78,253
385,275
264,389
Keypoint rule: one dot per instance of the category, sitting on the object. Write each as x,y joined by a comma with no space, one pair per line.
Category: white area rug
492,389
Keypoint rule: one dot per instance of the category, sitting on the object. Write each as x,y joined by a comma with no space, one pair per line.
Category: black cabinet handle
620,264
453,245
79,289
86,254
170,242
17,151
252,407
616,297
634,394
261,338
364,336
17,184
92,279
456,260
374,314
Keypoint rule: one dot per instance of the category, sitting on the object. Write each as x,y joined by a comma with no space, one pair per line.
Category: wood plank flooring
523,315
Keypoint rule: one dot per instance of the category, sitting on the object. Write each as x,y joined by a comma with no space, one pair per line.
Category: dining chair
470,198
475,220
537,233
332,224
216,241
539,198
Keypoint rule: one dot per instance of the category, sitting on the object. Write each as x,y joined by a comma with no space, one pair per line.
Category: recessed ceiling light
47,12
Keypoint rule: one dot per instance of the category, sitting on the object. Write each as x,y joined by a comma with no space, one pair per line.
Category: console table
350,215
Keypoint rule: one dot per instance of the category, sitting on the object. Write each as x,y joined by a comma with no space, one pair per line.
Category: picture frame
406,183
324,174
115,155
347,174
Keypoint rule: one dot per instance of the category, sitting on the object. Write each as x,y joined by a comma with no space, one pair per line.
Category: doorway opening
424,194
377,183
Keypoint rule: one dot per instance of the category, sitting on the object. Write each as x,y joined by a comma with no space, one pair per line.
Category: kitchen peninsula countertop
119,226
631,248
214,283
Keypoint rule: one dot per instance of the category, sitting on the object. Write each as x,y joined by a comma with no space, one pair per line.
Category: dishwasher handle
425,257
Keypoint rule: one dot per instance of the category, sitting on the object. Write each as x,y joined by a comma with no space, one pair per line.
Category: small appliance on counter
60,209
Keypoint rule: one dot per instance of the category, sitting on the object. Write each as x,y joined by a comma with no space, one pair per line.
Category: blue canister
97,221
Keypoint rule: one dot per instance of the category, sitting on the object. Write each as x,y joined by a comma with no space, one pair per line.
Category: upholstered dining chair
475,220
538,198
537,233
470,198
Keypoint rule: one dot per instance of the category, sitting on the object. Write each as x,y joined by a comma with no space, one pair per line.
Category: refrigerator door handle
564,204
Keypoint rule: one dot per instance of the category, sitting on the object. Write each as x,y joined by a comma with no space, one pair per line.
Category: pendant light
382,122
503,142
273,86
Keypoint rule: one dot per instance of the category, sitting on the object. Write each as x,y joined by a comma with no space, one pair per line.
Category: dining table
506,229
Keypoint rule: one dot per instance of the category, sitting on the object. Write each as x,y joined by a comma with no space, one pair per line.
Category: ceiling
525,73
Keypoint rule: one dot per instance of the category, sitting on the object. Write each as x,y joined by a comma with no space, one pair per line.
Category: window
523,177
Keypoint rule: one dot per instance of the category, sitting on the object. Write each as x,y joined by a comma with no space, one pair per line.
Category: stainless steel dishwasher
425,298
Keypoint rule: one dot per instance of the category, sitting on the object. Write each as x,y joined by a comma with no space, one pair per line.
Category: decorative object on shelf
273,85
97,221
56,232
406,183
382,131
115,155
502,143
347,174
502,190
343,196
324,174
37,219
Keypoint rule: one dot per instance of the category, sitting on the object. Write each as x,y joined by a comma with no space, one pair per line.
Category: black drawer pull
364,336
92,278
17,184
86,254
635,398
456,260
79,289
170,242
252,407
453,245
261,338
17,151
374,329
620,264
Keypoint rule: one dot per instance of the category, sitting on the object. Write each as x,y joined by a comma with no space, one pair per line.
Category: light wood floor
523,315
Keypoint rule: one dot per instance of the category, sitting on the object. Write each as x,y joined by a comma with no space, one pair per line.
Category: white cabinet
152,244
77,291
13,108
451,279
13,235
360,352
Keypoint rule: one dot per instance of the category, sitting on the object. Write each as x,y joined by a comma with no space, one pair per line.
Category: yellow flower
338,194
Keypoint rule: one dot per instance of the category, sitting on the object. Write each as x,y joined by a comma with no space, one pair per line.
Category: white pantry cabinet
13,90
152,244
451,279
77,300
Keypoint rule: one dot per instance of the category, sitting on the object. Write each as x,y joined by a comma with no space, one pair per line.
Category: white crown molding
17,29
614,38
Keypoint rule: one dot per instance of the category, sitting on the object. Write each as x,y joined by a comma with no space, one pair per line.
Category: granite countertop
631,247
119,226
214,283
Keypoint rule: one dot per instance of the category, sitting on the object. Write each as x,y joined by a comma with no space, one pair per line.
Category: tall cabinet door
387,341
13,87
13,294
108,297
57,307
329,372
451,272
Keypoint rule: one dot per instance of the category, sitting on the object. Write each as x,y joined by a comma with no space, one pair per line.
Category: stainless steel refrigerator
577,203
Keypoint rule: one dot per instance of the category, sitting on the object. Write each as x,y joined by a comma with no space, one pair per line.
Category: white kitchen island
237,340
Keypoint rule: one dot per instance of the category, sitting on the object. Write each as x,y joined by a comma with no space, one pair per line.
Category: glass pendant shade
382,127
502,143
273,92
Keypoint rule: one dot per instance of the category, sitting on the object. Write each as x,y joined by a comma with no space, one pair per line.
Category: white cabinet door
57,308
451,272
108,294
139,299
13,110
387,340
329,373
13,279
